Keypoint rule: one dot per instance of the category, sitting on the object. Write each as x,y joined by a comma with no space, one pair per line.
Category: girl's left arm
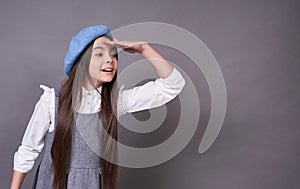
153,93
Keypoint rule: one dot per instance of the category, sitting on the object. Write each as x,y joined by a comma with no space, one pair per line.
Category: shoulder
49,91
49,97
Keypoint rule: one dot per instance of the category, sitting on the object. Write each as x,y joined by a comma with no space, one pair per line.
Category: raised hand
128,46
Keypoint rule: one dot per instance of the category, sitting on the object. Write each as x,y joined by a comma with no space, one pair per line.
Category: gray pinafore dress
84,166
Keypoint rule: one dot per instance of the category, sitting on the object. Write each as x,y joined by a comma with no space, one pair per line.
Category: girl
87,99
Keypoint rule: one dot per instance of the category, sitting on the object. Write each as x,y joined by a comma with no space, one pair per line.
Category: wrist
145,48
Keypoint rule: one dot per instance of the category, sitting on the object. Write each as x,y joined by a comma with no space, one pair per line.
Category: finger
108,42
111,43
120,44
116,44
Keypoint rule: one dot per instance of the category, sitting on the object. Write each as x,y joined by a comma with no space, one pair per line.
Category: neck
90,87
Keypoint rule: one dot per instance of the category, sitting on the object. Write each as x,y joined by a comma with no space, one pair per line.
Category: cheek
93,68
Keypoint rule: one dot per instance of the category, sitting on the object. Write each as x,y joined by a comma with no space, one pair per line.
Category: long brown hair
61,147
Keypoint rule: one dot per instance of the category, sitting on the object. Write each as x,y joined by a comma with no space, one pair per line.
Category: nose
109,60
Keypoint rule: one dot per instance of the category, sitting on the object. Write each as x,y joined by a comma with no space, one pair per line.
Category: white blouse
150,95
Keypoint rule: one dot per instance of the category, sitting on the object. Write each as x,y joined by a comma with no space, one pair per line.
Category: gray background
256,44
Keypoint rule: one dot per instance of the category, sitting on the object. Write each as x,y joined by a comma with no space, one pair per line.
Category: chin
107,81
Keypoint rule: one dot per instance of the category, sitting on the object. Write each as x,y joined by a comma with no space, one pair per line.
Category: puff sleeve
150,95
41,121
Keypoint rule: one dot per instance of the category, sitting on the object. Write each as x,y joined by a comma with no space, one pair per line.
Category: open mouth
107,70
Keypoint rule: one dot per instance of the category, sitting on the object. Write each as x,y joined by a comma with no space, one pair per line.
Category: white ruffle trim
50,94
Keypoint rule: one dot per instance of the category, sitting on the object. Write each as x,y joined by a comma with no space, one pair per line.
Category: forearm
162,67
17,180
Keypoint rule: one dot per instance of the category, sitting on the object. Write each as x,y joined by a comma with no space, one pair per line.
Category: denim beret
80,41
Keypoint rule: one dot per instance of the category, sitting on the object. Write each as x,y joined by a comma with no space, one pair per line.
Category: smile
107,70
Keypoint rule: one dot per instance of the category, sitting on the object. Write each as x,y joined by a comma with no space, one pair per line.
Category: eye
98,54
113,53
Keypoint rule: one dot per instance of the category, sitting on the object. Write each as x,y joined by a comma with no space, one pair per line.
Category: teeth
108,69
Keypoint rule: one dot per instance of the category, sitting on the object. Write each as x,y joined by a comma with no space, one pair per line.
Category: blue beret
80,41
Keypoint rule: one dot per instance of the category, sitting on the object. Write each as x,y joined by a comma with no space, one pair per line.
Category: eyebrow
98,48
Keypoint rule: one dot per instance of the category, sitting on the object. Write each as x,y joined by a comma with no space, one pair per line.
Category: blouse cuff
24,160
21,170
